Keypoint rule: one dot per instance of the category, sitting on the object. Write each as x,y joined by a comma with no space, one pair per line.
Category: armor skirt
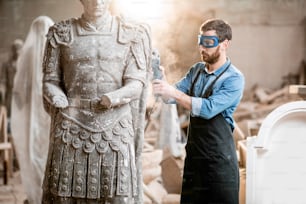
85,166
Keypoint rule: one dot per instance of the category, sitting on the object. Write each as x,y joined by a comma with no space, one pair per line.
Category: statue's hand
59,101
105,102
55,95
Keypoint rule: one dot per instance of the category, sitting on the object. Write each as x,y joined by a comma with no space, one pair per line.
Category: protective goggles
208,41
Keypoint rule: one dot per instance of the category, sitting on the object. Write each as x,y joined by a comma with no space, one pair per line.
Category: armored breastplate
93,66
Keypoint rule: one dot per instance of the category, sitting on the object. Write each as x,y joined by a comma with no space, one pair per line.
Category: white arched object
276,158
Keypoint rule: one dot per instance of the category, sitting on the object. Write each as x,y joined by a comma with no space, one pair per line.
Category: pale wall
268,35
267,53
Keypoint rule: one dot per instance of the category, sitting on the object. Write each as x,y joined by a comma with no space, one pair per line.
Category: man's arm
167,91
222,98
230,92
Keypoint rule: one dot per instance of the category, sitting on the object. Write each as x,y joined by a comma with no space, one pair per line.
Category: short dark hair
222,28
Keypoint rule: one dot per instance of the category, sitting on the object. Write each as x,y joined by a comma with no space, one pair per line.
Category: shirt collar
220,69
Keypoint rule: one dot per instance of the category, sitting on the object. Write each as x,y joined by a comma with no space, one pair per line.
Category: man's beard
211,59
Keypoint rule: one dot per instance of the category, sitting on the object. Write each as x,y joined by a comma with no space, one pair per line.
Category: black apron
211,173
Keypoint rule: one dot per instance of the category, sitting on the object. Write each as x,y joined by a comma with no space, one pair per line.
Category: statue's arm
133,83
137,62
53,93
131,91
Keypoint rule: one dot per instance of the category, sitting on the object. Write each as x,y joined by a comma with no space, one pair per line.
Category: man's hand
166,91
163,89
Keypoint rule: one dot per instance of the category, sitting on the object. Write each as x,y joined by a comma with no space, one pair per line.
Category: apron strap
198,71
208,91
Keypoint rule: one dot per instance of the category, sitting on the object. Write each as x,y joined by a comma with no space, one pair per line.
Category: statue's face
95,8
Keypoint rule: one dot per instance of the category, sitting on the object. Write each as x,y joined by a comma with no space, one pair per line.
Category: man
7,75
95,77
211,90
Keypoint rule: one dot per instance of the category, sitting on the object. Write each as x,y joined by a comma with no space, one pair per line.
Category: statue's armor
92,153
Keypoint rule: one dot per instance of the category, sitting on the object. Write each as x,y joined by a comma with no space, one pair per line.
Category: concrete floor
13,193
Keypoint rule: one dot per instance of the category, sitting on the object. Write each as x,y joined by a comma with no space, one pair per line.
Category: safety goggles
208,41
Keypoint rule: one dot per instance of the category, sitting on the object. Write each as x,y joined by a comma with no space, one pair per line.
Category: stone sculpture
8,71
94,86
29,121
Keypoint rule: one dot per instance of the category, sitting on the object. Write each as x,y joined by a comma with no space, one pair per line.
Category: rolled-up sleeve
196,105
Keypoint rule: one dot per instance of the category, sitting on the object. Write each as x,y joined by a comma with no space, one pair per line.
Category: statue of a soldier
94,85
7,75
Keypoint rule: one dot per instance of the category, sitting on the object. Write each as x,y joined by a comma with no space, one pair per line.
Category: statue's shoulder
61,32
131,31
139,36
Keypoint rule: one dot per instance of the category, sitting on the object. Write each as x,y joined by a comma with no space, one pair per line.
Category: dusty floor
13,193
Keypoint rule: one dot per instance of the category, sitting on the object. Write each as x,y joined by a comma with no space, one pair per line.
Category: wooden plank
5,145
297,89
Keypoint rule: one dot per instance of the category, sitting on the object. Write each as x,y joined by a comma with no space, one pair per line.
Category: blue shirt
226,95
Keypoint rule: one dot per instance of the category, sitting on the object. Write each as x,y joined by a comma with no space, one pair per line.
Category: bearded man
211,91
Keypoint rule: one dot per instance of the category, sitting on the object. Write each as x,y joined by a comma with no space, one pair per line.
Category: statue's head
95,8
16,47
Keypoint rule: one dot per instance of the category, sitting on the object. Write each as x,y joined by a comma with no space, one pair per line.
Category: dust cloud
175,26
